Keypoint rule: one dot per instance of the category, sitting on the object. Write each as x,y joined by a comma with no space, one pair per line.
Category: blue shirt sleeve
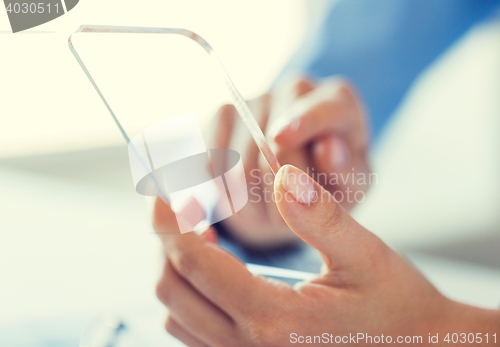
383,45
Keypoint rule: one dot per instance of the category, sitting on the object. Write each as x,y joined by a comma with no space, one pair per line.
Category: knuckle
226,112
162,291
264,334
379,254
349,93
341,83
302,85
184,262
277,314
261,325
333,217
171,325
261,335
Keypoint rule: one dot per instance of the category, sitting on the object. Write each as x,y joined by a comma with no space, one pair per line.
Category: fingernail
333,151
298,184
339,153
210,235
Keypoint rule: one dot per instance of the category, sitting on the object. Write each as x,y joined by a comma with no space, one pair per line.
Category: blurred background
75,238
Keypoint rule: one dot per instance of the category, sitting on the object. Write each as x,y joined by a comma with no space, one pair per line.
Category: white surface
468,283
69,251
71,248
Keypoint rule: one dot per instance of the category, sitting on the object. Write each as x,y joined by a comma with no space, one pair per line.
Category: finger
313,214
331,108
299,157
222,127
259,180
177,331
215,274
331,154
344,174
284,95
329,122
191,310
164,220
288,90
219,136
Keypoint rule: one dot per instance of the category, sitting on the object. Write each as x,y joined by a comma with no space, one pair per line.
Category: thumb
313,214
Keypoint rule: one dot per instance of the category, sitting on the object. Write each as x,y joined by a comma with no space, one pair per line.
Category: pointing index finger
331,108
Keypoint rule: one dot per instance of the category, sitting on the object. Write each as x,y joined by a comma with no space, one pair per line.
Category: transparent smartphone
162,87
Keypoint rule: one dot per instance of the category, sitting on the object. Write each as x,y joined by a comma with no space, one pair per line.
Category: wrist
471,325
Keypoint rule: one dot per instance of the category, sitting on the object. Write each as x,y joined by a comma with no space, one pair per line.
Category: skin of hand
320,127
364,287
